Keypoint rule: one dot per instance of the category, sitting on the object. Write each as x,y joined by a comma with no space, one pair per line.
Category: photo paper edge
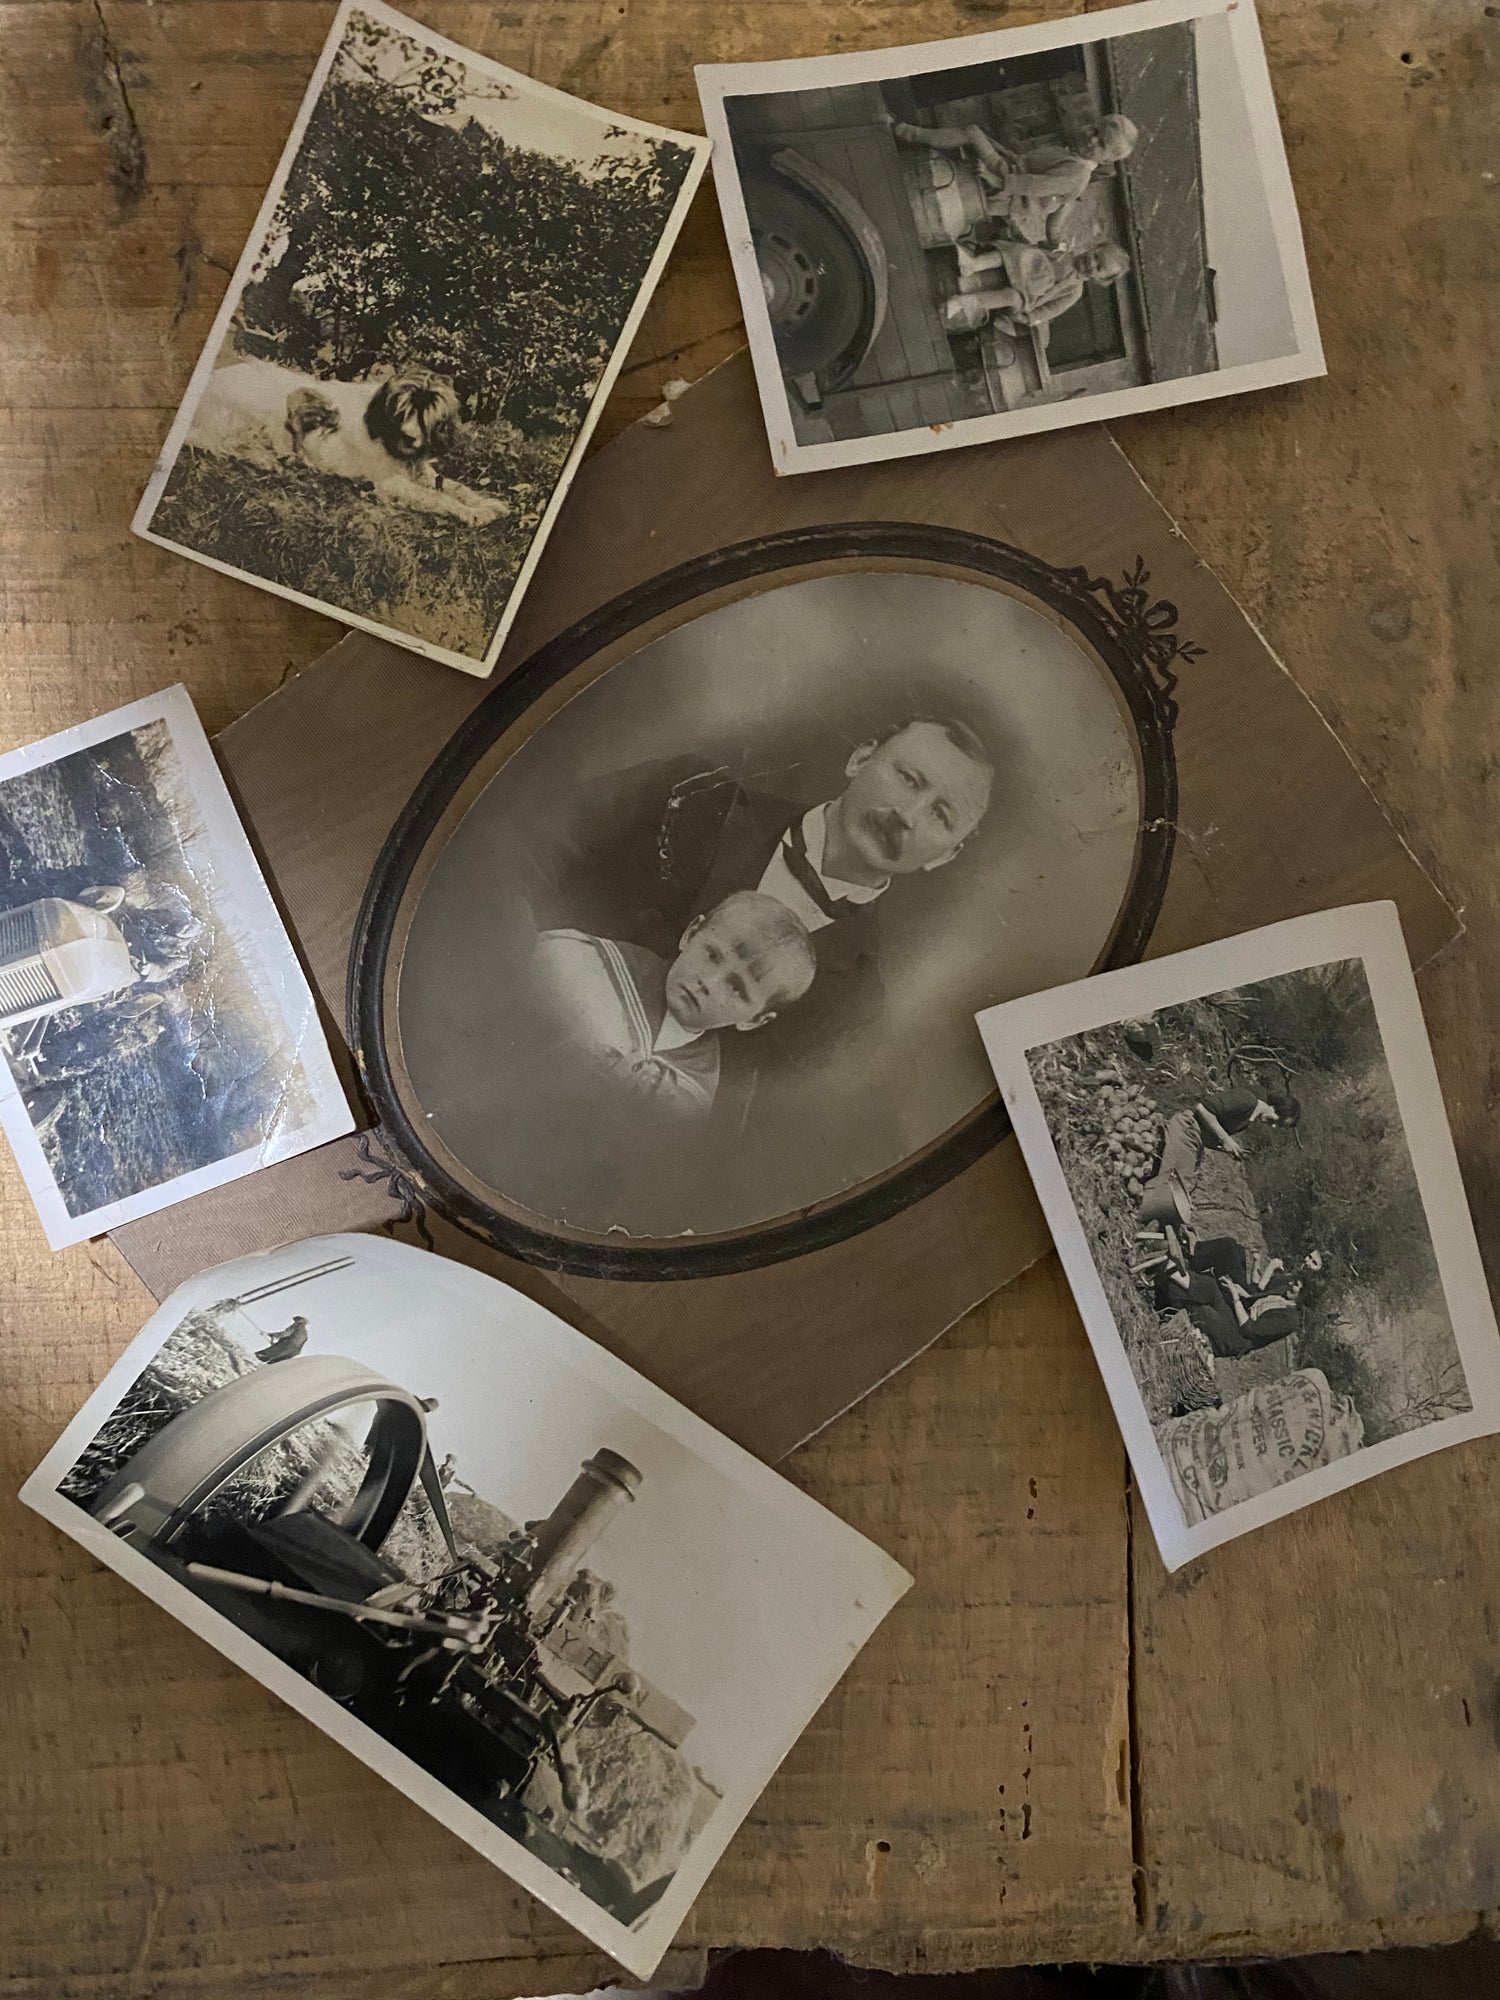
886,1580
702,150
479,665
1368,931
784,73
337,1724
332,1116
789,457
352,621
770,387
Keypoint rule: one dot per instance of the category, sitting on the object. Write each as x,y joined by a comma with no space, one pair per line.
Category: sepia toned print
974,239
428,314
1257,1211
702,952
572,1622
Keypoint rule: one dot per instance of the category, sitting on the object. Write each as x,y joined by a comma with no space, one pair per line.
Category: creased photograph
1243,1156
157,1034
967,240
573,1623
431,308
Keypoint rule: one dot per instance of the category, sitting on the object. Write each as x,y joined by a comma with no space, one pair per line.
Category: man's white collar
815,833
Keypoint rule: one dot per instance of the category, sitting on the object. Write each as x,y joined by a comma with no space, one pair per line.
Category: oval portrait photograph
686,947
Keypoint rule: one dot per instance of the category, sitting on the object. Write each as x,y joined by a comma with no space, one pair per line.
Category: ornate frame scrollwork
1145,626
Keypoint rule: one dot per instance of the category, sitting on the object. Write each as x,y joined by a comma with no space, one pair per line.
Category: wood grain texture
1317,1705
1315,1751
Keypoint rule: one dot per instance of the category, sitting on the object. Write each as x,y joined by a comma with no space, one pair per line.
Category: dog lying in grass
384,435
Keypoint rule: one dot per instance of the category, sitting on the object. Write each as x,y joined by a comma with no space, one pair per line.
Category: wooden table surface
1052,1750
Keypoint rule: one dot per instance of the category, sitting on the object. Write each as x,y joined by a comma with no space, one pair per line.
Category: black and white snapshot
1263,1189
968,240
571,1621
156,1032
706,949
426,318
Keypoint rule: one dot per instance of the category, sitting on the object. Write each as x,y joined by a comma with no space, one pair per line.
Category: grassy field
438,578
1341,1182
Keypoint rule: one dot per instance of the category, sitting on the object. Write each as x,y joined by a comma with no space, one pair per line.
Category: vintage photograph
706,949
562,1614
431,308
1261,1179
157,1034
969,240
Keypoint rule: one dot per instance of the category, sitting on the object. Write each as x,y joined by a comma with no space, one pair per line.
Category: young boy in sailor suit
649,1030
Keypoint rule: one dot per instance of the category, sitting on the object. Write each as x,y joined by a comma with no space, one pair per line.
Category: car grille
19,933
24,978
25,985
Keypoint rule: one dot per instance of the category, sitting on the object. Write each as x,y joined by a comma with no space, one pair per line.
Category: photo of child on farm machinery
296,1493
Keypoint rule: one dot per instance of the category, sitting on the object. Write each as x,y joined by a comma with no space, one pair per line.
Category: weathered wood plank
240,1843
1317,1703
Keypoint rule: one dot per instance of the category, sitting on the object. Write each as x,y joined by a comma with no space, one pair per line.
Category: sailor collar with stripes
659,1042
609,999
673,1035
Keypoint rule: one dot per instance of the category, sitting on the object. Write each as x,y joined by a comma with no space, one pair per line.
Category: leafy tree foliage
1344,1181
410,234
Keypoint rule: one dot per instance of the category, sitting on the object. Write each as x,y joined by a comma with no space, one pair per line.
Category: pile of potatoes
1129,1129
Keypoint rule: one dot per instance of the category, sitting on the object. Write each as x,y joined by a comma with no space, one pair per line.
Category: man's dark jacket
666,843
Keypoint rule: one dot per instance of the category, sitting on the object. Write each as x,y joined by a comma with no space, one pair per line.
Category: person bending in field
1183,1253
1255,1273
1221,1118
648,1031
1216,1119
1234,1320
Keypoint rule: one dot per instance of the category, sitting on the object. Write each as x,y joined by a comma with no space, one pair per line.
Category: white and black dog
385,434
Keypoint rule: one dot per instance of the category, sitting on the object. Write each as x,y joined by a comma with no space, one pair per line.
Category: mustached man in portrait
860,843
674,838
670,839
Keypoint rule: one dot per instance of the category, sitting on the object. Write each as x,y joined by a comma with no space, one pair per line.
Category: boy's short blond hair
1111,262
780,929
1117,136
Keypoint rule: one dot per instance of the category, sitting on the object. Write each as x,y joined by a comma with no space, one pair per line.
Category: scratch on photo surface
291,1072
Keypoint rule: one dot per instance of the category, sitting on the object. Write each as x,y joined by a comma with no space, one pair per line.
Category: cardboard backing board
1249,811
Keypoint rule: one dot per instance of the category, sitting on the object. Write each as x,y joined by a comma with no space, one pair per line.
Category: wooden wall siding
912,341
1154,83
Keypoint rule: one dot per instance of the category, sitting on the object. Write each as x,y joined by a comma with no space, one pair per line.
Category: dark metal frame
1134,634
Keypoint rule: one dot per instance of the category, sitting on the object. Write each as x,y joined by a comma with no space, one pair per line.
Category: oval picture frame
1131,638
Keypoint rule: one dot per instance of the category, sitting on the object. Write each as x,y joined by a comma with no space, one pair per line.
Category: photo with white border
1243,1157
434,302
554,1608
960,241
158,1036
